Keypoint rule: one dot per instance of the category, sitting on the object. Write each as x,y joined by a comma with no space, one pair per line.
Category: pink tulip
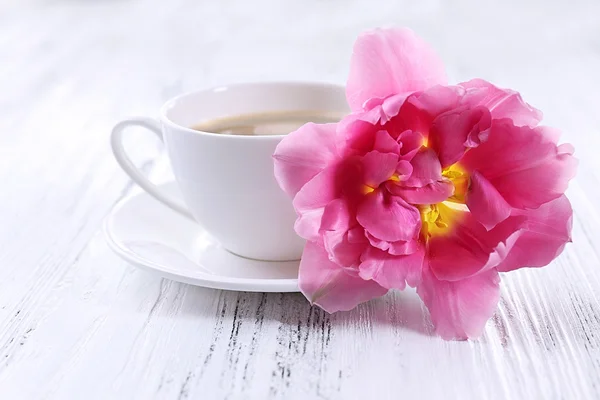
438,187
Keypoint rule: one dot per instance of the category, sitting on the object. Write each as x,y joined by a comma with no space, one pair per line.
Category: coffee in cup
220,144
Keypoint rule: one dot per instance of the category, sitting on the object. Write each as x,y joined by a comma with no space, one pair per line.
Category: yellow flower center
437,219
460,179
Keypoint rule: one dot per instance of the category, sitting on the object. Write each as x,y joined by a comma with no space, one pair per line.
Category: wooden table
76,322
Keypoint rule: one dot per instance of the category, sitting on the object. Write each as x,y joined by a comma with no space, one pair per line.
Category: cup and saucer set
224,223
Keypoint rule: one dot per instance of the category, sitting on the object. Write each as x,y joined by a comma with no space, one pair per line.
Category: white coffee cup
227,181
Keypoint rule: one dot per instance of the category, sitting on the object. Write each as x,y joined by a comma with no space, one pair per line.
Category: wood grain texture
77,322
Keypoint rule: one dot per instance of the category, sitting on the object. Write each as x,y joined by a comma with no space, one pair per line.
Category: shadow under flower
401,311
397,310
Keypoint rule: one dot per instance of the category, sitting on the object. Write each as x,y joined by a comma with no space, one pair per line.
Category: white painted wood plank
77,322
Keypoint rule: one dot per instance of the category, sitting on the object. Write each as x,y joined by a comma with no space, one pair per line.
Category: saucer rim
202,279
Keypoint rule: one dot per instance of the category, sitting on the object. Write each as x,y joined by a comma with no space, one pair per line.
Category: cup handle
124,161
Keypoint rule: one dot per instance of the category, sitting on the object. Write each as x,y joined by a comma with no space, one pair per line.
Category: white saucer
153,237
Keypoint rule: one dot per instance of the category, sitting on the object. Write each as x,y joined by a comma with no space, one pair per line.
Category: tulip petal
355,135
391,105
433,193
523,164
307,224
404,170
302,154
378,167
331,287
411,144
311,200
453,132
484,201
426,168
335,230
386,62
384,143
502,103
388,217
392,271
401,247
337,216
340,250
460,309
437,99
466,248
420,109
542,235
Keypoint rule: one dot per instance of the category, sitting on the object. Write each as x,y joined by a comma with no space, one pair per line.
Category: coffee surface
265,123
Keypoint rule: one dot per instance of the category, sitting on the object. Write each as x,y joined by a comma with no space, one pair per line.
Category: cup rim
169,103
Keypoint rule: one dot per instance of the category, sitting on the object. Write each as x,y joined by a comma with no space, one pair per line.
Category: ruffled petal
388,217
523,164
465,248
311,200
356,134
433,193
384,143
425,185
400,247
378,167
404,170
337,216
331,287
386,62
411,142
543,233
420,109
484,201
392,271
391,106
302,154
341,180
337,224
341,251
453,132
307,224
460,309
426,168
502,103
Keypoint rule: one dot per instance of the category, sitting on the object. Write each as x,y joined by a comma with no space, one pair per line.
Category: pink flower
438,187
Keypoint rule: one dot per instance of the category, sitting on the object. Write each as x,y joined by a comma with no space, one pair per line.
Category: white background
76,322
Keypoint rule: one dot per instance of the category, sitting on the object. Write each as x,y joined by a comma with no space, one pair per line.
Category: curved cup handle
124,161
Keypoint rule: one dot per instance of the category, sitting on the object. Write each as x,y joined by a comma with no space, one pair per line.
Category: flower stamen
438,219
368,189
460,179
